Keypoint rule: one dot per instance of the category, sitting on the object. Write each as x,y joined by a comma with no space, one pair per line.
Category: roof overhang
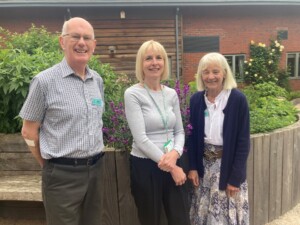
142,3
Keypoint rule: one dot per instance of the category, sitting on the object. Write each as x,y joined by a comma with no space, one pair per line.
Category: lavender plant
117,135
184,94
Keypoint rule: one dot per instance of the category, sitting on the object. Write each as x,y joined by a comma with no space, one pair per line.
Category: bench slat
21,188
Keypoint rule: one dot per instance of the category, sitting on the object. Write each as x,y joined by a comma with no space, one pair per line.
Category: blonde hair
156,47
219,60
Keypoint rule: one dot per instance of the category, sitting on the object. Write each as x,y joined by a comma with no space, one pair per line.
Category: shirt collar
67,70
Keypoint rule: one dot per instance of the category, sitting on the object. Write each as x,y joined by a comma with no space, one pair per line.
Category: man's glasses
77,37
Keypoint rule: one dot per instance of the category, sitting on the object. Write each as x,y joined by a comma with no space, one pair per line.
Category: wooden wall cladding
127,35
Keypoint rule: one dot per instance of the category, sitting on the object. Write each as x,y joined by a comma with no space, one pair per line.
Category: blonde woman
154,118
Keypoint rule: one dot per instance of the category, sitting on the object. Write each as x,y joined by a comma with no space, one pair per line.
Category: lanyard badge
168,146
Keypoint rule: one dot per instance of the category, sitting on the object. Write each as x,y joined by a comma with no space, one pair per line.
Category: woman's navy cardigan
236,138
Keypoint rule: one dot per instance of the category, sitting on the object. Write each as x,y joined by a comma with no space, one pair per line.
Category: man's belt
77,161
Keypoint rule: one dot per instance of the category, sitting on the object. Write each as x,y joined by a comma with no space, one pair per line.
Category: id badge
168,146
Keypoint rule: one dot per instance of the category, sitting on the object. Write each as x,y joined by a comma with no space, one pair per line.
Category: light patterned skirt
210,206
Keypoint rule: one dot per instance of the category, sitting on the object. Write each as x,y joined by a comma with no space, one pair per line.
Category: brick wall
236,27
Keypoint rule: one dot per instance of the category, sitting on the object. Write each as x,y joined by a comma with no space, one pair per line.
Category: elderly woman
218,146
153,114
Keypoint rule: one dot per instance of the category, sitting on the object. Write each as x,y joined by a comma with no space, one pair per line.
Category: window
193,44
282,34
293,64
236,62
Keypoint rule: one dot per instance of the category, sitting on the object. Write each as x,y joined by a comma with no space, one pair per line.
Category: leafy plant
294,95
24,55
269,107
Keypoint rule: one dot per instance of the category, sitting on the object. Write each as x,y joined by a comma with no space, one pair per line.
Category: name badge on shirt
205,113
97,102
168,146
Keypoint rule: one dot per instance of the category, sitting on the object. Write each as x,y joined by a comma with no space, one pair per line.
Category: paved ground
290,218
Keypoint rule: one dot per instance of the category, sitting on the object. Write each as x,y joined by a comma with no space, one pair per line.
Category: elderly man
62,125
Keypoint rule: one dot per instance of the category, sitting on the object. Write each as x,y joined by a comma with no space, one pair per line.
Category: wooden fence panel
128,211
273,176
18,162
287,171
261,176
296,168
250,179
12,143
110,209
276,148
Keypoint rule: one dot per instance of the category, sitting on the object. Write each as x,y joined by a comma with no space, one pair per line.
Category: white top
145,122
214,118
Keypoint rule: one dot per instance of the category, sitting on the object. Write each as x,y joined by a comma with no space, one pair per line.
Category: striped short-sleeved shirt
69,110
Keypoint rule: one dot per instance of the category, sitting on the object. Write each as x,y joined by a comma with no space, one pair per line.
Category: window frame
233,67
296,66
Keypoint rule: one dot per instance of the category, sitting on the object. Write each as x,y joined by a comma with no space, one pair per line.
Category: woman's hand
231,191
178,175
168,161
194,177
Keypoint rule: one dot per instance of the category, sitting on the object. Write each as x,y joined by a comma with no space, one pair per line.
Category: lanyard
164,120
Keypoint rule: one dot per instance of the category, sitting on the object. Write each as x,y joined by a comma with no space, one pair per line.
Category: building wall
236,27
124,35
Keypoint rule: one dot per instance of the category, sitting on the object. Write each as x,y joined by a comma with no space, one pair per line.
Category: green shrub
269,107
24,55
294,95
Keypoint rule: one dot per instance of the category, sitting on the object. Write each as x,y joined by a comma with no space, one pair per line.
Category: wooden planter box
273,176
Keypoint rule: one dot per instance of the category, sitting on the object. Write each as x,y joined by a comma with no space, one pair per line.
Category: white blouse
214,118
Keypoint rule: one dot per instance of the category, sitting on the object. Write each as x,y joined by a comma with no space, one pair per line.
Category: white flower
255,75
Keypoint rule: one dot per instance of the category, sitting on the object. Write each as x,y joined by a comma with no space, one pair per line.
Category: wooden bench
20,180
20,186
